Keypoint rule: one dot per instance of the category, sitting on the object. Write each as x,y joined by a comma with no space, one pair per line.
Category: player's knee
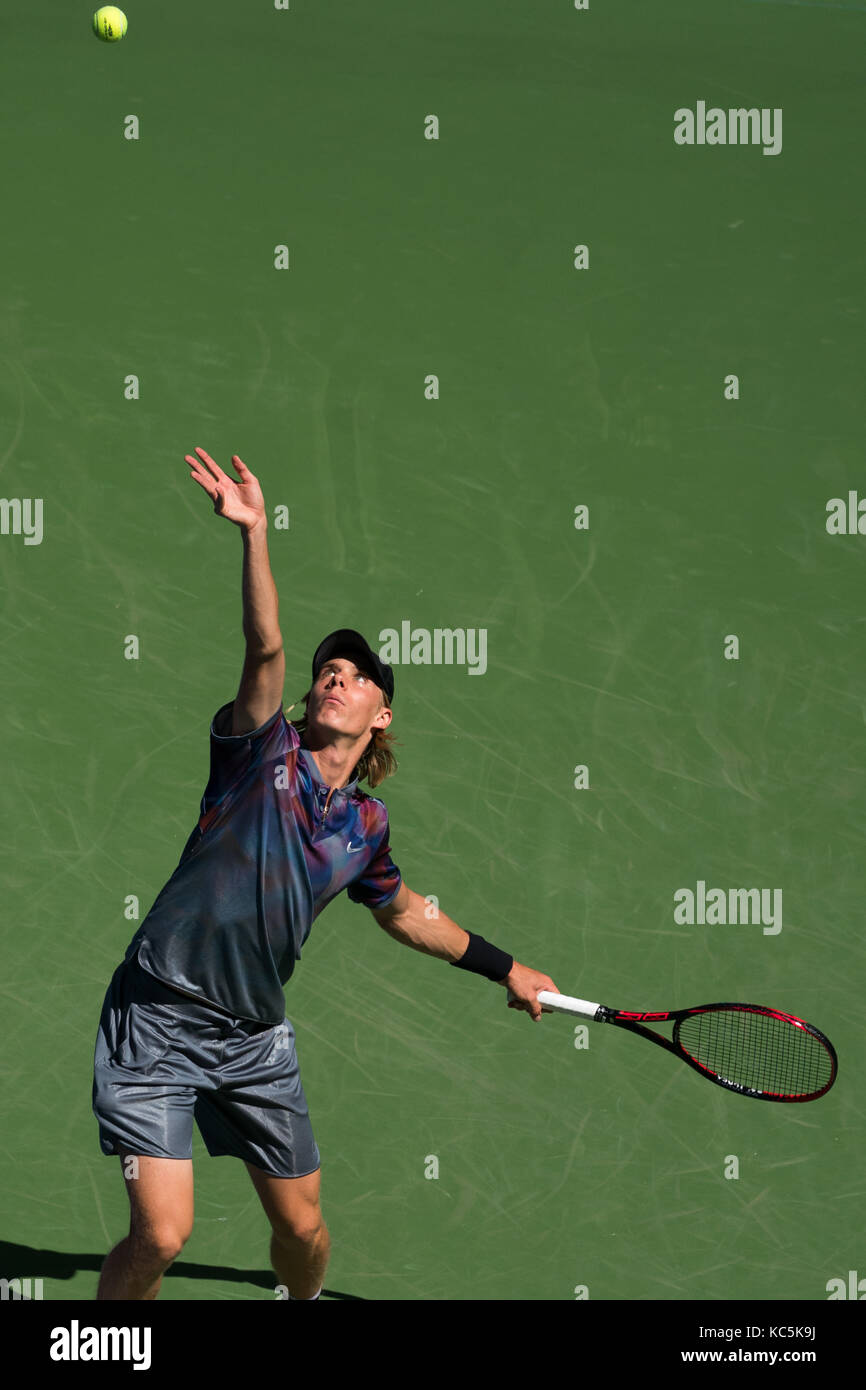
160,1245
305,1227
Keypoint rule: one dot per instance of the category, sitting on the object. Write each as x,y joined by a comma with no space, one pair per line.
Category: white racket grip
564,1004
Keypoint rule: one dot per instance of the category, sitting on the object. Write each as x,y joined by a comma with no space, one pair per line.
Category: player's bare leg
300,1244
161,1217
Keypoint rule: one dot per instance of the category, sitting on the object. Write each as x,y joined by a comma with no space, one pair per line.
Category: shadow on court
27,1262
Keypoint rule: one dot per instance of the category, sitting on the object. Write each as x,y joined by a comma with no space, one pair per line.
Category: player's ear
383,718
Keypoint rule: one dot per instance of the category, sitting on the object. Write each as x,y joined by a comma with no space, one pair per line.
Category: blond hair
377,760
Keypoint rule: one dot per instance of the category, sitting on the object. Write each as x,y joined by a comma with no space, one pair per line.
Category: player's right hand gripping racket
746,1048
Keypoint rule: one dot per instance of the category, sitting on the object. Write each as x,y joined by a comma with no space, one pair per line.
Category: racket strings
762,1051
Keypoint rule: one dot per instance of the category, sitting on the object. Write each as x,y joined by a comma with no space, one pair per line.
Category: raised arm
261,689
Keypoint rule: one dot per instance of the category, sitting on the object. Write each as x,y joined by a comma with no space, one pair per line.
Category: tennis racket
746,1048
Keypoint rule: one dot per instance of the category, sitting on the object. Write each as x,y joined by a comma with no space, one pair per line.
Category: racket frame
636,1023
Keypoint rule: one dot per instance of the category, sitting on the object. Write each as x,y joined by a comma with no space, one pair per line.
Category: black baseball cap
348,643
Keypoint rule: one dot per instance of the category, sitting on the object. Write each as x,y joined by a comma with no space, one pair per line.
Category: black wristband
483,959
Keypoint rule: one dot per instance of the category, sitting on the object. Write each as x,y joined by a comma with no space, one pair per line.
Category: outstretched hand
241,502
524,986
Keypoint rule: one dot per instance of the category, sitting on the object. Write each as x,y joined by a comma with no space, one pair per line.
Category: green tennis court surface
467,1153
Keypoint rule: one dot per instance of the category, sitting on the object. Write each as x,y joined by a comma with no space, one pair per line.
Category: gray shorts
163,1059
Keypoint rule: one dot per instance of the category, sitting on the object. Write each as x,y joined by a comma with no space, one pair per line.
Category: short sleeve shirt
269,852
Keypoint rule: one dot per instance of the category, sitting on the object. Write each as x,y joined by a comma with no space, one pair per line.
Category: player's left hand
241,502
523,988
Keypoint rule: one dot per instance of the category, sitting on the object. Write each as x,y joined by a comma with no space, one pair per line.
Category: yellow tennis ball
109,23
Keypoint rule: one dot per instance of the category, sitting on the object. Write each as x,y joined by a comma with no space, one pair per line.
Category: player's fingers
200,473
201,478
526,1008
212,465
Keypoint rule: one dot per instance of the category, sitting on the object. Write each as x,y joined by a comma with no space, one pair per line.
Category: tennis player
193,1025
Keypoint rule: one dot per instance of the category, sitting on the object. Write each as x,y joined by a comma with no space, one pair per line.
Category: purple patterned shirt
264,860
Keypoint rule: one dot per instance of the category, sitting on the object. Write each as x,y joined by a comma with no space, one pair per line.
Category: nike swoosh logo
357,848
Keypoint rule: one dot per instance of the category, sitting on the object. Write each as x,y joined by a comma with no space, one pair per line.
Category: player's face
345,698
